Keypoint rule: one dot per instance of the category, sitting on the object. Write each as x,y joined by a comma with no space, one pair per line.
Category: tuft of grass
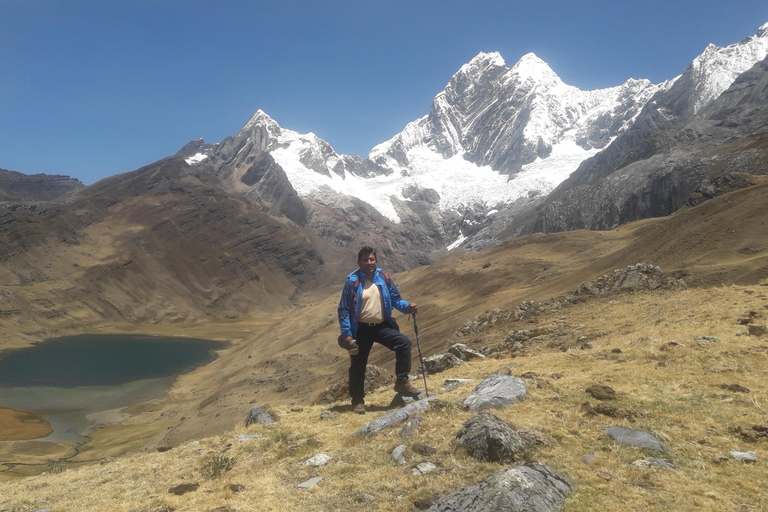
215,465
56,468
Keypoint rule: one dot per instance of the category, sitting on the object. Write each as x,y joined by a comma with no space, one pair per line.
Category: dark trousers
366,336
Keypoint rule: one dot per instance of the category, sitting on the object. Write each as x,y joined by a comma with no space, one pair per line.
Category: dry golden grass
674,389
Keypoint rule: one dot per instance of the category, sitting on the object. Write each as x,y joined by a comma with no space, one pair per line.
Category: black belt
371,325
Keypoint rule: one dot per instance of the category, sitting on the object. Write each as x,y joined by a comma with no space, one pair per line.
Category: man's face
367,264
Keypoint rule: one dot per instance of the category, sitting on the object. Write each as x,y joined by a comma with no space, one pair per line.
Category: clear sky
95,88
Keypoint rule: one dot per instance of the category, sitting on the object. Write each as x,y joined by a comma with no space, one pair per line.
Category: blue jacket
352,300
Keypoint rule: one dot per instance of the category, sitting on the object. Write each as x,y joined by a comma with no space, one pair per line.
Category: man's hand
413,308
345,342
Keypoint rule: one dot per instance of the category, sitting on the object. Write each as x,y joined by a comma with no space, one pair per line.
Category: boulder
496,391
488,438
259,414
636,438
532,487
394,418
440,362
757,330
465,353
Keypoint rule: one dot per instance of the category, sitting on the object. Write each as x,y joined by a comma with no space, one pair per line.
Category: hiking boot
359,409
405,387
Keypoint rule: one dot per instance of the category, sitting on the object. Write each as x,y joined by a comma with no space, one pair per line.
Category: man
365,315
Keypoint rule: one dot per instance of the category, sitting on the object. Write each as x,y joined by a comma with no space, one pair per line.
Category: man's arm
398,303
345,308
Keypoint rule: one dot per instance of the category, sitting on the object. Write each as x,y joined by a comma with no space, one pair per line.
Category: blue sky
95,88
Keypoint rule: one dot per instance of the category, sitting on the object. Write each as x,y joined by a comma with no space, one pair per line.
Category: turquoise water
70,380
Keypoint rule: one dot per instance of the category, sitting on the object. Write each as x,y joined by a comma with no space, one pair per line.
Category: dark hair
366,250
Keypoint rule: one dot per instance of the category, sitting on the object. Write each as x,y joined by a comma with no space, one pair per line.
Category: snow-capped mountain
509,132
495,138
678,142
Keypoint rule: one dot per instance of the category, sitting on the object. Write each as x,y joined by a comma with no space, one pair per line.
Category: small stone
617,351
328,415
423,469
398,454
310,483
665,464
410,427
180,489
451,384
636,438
588,458
736,388
641,464
757,330
745,457
318,460
719,459
601,392
423,449
248,437
710,339
720,369
235,488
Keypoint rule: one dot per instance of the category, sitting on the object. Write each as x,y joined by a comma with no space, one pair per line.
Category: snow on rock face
716,69
493,135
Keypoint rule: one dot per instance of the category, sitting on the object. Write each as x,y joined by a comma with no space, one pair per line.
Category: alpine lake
60,389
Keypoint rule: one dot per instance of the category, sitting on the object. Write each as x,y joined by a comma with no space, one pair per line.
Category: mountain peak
530,65
492,58
260,118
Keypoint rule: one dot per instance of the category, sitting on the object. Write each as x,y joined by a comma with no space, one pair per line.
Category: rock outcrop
533,487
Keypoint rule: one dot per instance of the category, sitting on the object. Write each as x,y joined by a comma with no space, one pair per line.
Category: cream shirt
372,311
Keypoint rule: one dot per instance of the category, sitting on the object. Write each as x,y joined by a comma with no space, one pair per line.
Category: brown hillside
289,356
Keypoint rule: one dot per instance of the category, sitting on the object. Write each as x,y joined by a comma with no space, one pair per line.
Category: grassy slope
722,241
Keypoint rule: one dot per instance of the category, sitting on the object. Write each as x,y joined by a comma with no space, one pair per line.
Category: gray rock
757,330
533,487
318,460
664,464
744,456
423,469
636,438
496,391
398,454
246,437
588,458
310,483
328,415
410,427
258,414
394,418
401,399
451,384
710,339
488,438
465,353
440,362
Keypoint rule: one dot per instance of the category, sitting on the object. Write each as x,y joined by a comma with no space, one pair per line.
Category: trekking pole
421,359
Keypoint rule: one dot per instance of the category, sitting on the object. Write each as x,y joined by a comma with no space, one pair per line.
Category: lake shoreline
18,425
